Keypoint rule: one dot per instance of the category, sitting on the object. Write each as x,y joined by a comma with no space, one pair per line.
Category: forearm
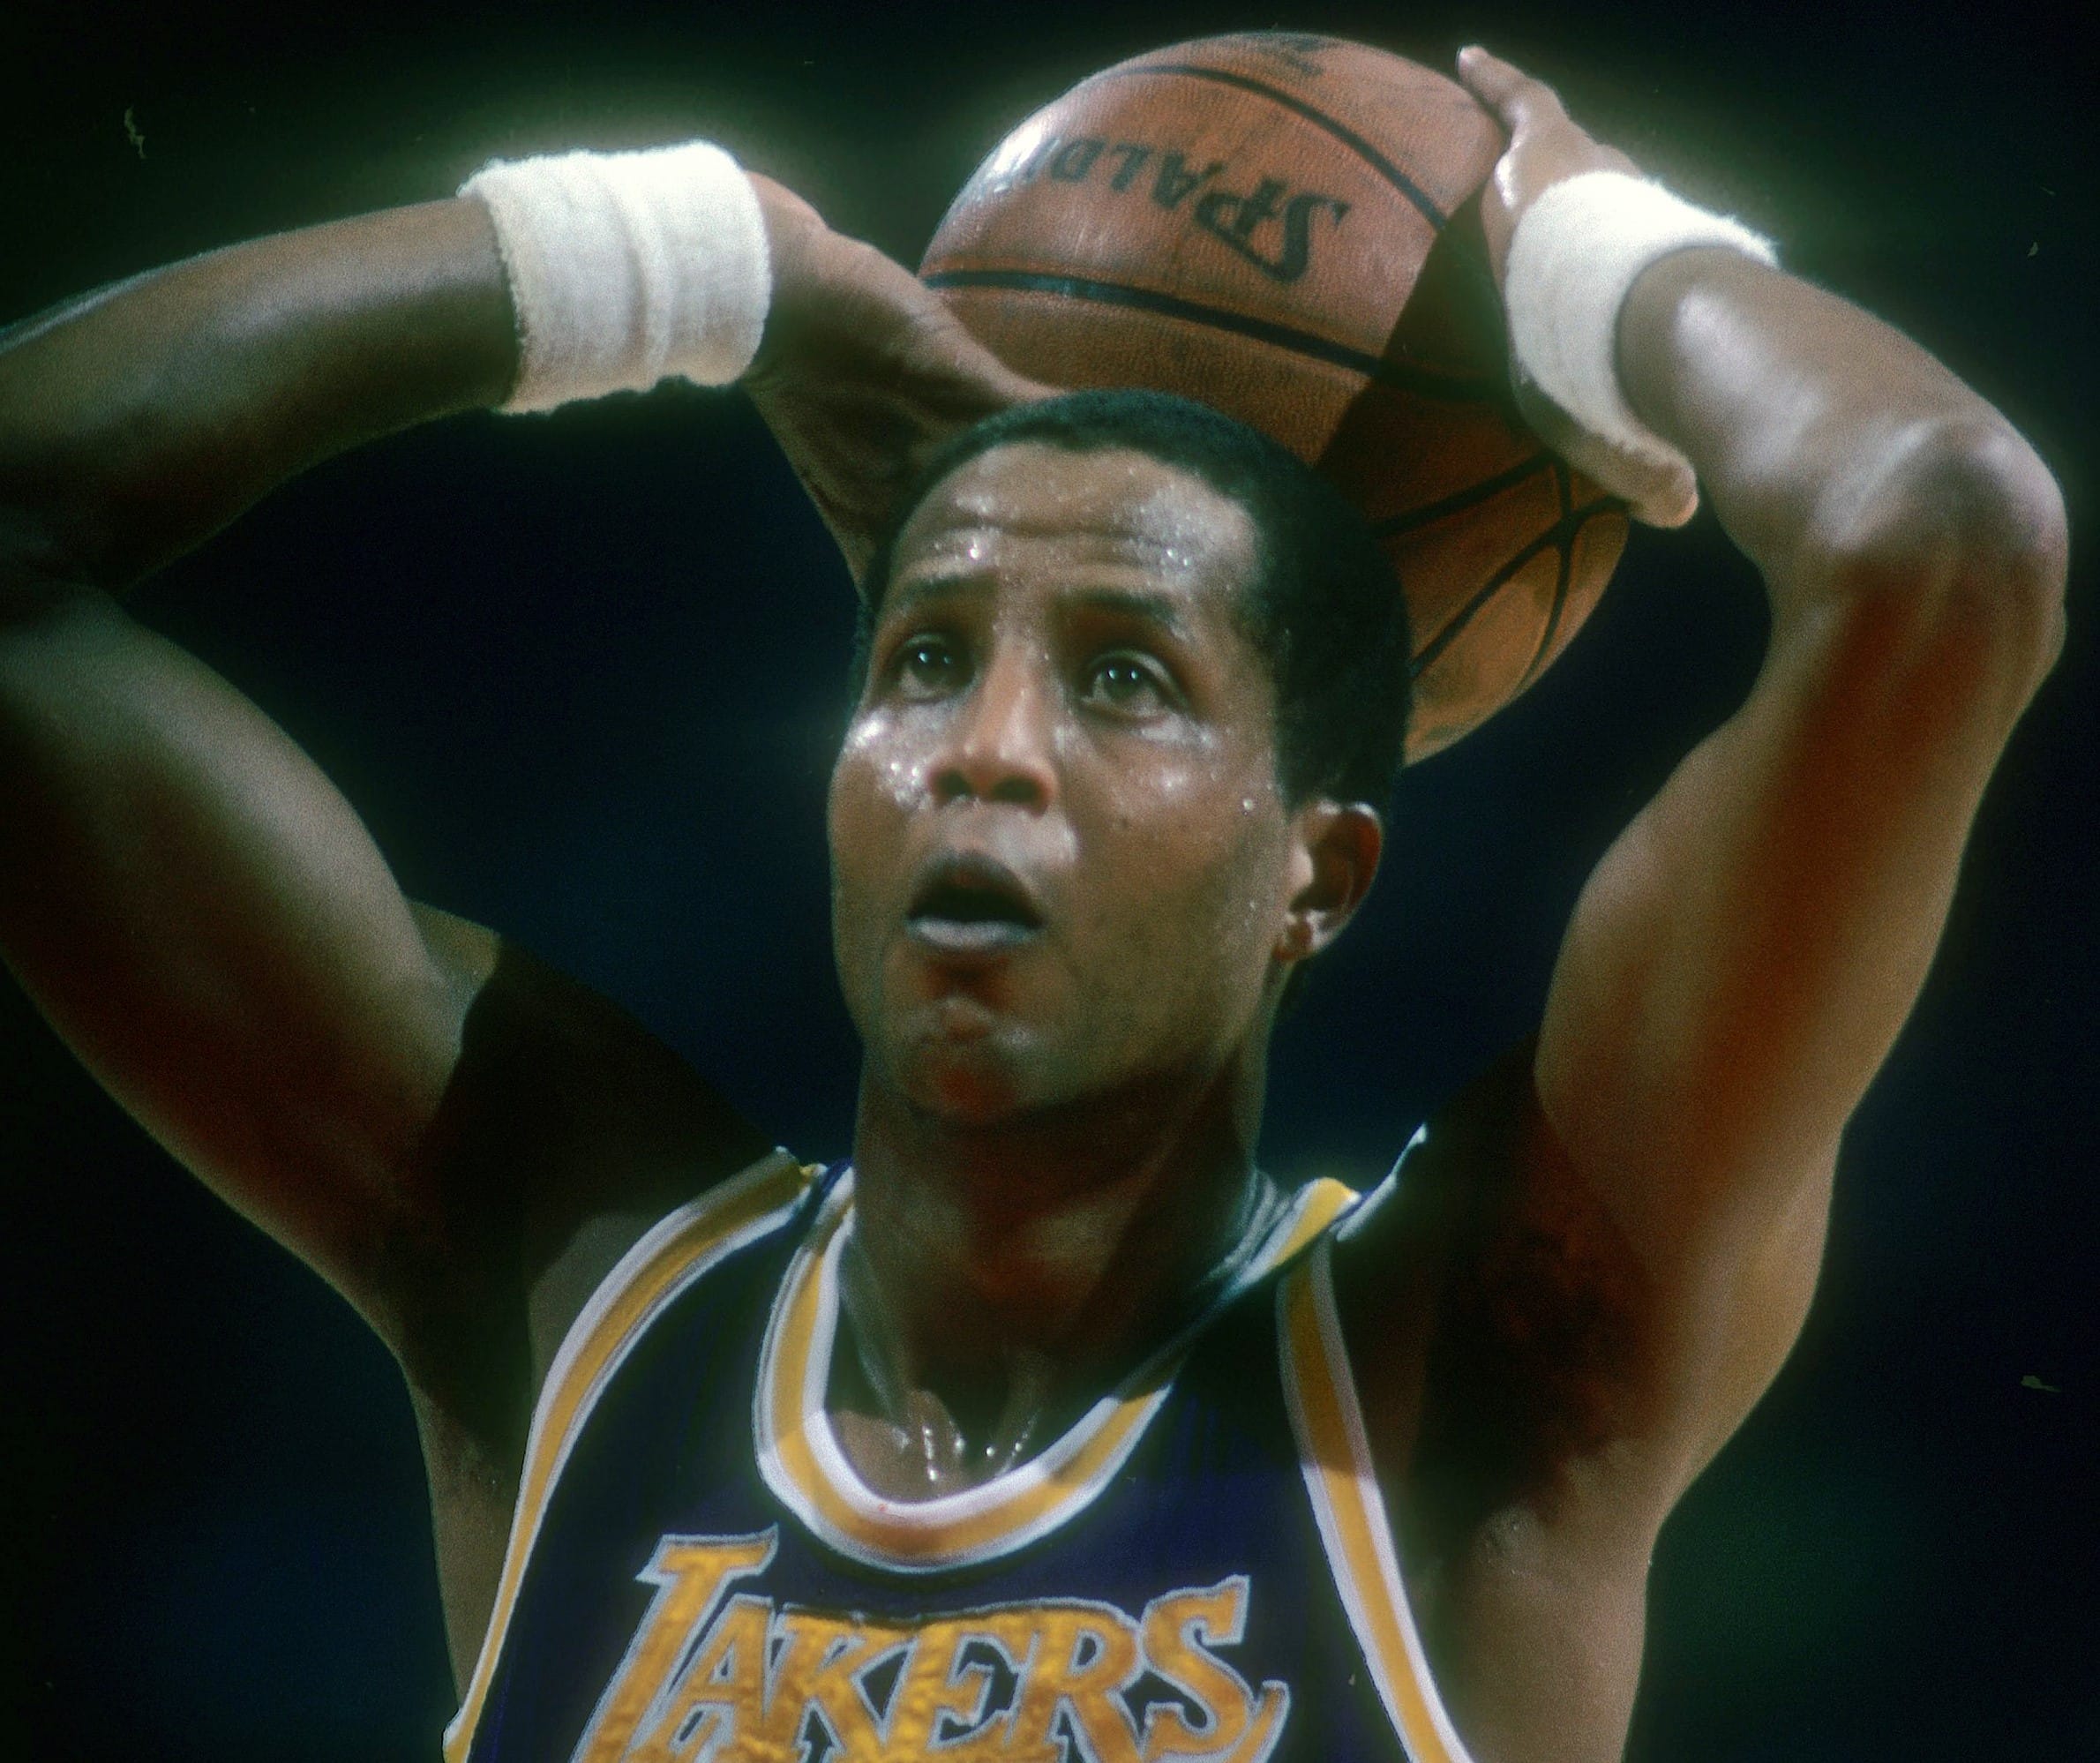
1747,951
137,421
1837,454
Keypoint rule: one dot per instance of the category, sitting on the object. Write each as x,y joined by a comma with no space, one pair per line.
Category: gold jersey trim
664,1263
1334,1453
799,1456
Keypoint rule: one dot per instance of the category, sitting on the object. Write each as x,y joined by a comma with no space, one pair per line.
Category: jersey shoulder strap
663,1265
1335,1457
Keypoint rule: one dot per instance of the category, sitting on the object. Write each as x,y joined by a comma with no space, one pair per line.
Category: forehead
1033,512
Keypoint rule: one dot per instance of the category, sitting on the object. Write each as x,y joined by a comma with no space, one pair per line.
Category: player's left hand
1545,146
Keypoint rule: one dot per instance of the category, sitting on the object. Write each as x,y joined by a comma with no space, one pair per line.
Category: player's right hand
863,372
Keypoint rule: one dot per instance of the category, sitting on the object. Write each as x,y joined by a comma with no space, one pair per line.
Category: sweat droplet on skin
904,780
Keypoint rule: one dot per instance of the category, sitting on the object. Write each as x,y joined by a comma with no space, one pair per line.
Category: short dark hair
1323,606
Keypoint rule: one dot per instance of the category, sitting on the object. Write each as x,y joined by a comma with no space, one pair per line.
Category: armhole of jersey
1334,1454
1380,1196
664,1264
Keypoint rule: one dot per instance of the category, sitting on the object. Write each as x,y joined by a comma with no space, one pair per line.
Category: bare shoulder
570,1124
566,1132
1496,1318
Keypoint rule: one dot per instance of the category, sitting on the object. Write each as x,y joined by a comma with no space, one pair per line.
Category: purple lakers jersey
1200,1568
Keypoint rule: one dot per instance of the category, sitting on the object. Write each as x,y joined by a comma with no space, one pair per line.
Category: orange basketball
1283,226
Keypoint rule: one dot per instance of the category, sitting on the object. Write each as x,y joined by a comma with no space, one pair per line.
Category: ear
1335,852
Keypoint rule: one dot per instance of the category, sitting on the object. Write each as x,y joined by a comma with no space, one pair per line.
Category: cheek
877,781
872,788
875,776
1201,845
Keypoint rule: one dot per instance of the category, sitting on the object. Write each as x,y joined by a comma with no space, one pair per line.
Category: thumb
1662,492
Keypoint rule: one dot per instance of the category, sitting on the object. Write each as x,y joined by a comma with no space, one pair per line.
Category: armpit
1525,1342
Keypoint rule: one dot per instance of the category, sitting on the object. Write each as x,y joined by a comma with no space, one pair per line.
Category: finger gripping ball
1284,227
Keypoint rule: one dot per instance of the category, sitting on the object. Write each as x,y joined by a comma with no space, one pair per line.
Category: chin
963,1062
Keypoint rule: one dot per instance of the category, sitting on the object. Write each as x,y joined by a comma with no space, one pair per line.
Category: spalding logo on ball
1281,227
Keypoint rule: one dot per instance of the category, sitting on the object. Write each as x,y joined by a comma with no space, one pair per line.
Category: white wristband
1576,251
628,268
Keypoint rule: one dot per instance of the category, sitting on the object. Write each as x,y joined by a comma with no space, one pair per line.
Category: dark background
582,676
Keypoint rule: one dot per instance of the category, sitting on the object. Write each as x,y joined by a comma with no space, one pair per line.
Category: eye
1125,681
927,665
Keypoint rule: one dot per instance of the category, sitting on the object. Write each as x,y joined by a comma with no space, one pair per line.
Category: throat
914,1428
908,1442
914,1434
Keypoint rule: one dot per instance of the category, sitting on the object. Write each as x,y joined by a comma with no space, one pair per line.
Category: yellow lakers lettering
719,1673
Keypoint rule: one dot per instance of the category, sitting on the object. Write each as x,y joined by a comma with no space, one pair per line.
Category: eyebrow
1151,609
1158,609
943,585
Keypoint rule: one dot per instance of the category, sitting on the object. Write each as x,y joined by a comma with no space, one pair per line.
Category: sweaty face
1060,863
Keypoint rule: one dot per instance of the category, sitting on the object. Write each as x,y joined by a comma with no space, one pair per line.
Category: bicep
1741,963
1603,1250
203,919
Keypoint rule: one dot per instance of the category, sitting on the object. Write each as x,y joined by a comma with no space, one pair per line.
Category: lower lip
966,937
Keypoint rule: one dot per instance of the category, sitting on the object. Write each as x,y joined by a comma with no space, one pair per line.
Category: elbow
1958,545
31,555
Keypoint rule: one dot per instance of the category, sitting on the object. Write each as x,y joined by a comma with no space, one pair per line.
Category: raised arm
456,1138
1607,1247
194,907
1740,964
191,902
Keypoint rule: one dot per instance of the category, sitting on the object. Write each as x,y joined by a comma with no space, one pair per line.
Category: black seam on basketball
1560,599
1558,533
1413,520
1453,389
1340,130
1563,487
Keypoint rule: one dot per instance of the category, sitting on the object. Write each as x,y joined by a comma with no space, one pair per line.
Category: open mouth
973,904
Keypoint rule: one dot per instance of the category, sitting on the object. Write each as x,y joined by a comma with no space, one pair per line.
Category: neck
1005,1274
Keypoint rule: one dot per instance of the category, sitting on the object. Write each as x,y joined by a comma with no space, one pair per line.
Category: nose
997,744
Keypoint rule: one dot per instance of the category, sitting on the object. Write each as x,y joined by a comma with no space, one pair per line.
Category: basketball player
1052,1427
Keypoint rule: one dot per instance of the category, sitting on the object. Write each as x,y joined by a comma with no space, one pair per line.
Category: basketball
1285,228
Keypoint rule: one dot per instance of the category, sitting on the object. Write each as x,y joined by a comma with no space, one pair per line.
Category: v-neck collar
798,1452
